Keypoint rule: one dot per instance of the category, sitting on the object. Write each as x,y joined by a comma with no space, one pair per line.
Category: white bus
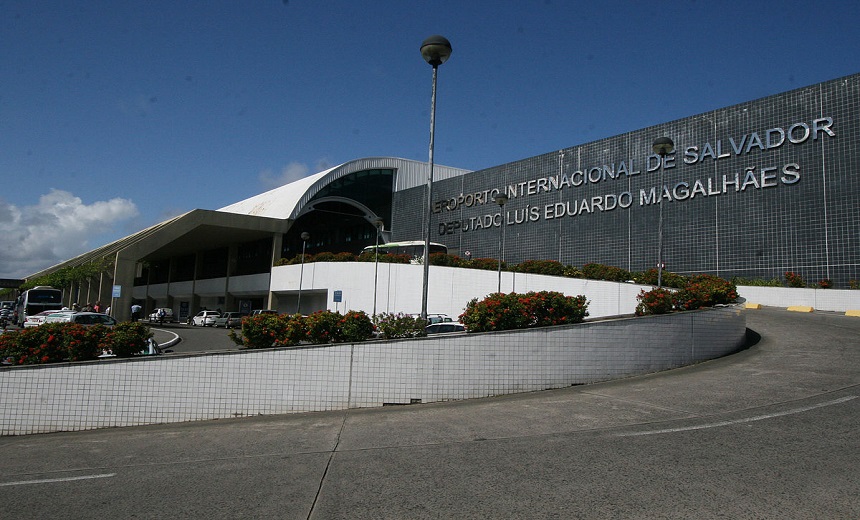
38,299
413,248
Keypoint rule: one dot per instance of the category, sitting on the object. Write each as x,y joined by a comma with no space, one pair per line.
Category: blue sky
116,115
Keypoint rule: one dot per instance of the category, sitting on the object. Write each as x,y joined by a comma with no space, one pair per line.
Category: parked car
56,316
168,315
263,311
37,319
228,320
438,328
205,318
81,318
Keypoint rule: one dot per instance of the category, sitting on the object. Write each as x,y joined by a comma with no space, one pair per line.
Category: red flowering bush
270,330
57,342
704,290
655,301
826,283
444,259
518,311
280,330
127,339
400,325
355,326
85,343
793,279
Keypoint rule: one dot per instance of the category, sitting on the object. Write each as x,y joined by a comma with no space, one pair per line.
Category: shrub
355,326
270,330
444,259
704,290
126,339
85,343
854,284
518,311
826,283
794,280
324,256
606,272
670,279
756,282
43,344
322,327
487,264
384,258
655,301
547,267
400,325
344,257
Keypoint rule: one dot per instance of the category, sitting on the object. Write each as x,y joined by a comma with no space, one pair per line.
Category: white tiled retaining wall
838,300
168,389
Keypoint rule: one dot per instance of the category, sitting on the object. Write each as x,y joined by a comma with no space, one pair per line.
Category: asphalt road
770,432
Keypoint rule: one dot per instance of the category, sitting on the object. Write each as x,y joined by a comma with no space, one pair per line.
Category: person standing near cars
135,312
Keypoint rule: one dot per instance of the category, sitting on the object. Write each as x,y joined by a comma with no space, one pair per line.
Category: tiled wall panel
461,366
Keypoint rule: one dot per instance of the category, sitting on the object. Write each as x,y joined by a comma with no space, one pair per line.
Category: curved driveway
770,432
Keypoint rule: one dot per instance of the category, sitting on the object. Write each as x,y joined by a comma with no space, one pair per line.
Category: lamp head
500,198
663,146
305,236
436,50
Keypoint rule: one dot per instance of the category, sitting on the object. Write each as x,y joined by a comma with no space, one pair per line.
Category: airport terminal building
752,190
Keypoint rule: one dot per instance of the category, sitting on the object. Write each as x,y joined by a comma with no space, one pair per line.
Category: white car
35,320
81,318
205,318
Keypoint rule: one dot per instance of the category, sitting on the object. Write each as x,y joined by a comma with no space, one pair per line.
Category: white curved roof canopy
288,201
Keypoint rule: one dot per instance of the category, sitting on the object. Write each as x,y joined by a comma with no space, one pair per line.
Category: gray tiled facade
752,190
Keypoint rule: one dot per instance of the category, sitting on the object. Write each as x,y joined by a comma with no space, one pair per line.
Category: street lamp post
305,237
662,146
380,225
501,199
435,50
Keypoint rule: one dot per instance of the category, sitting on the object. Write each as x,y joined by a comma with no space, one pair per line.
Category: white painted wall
838,300
399,288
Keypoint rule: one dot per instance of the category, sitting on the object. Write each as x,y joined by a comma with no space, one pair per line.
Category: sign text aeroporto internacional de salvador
751,178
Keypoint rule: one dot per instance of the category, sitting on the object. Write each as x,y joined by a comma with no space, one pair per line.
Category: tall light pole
501,199
379,227
662,146
435,50
305,237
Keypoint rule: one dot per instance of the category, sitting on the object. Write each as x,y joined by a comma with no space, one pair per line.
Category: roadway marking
50,480
740,421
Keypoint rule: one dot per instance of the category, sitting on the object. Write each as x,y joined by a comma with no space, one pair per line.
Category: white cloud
59,227
290,173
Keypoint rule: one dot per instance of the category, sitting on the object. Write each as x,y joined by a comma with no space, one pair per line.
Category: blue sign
117,291
338,296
